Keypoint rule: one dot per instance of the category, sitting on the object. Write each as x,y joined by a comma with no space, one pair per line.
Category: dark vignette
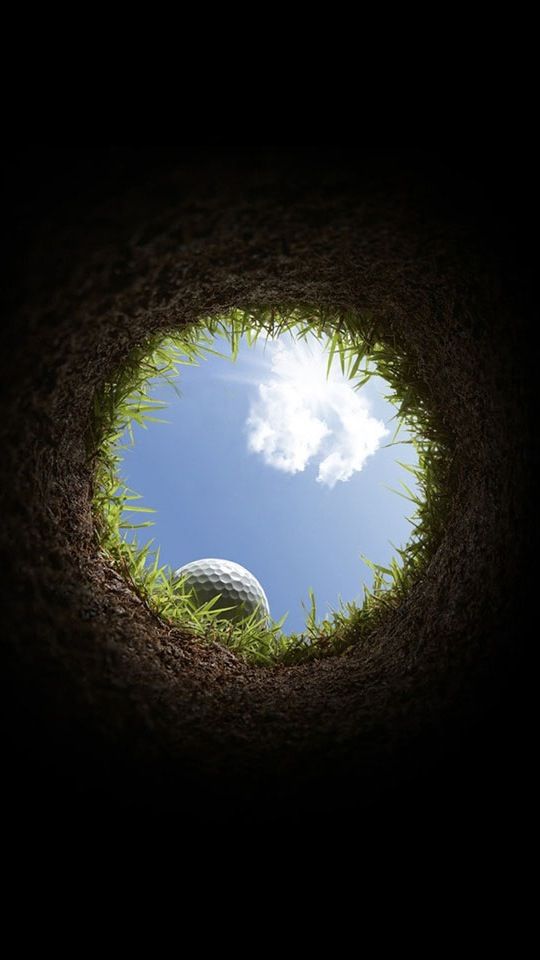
108,711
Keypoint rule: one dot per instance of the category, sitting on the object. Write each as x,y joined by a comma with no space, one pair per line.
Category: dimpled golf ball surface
237,586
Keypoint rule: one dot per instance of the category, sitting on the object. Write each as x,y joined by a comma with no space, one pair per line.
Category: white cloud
301,416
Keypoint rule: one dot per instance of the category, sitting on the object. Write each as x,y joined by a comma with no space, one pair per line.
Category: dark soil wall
110,707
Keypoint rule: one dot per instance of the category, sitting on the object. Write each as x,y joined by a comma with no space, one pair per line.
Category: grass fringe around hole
354,343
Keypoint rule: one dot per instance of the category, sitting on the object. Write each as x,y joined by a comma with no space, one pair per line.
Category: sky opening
271,463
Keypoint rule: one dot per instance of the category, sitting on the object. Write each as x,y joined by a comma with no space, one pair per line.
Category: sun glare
305,411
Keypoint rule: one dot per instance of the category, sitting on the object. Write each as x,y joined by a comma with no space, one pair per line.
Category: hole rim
361,334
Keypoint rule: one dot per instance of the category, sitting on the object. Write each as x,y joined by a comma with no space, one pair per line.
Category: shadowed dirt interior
110,705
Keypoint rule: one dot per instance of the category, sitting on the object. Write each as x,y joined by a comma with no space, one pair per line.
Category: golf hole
296,447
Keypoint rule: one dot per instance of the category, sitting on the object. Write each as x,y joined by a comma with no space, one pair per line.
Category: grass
352,342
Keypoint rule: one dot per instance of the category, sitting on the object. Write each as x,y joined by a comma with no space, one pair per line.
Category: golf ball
238,587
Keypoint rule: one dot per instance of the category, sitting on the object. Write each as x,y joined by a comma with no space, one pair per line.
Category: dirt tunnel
107,703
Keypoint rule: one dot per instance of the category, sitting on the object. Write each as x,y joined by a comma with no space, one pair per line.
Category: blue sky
267,462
